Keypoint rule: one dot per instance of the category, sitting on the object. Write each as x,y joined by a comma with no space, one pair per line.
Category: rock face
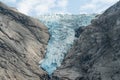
96,54
78,31
23,42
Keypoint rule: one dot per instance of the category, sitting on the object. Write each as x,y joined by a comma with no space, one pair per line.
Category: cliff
96,53
23,42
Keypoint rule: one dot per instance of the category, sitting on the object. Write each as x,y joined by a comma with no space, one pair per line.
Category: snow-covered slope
61,28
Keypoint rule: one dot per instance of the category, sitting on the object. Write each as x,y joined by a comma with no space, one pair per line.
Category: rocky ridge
96,53
23,42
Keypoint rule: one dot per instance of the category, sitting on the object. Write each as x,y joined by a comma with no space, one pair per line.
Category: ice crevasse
62,35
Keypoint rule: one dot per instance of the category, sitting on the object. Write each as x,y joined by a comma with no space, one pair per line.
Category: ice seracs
61,28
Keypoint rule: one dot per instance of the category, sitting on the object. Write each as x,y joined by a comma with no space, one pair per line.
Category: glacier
62,35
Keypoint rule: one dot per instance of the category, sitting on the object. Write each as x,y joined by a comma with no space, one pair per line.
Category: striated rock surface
23,42
96,54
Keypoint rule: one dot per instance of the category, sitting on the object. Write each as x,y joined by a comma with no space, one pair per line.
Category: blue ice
61,28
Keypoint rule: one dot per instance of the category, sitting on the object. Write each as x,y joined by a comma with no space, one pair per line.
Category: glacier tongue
61,28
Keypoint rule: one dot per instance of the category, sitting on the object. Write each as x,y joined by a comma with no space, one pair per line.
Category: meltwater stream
62,35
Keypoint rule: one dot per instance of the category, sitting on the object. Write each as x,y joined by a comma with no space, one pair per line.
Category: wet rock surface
96,54
23,42
78,31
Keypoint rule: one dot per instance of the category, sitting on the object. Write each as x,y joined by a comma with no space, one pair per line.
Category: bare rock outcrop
23,42
96,54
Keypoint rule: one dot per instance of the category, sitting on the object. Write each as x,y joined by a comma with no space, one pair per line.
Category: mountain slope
23,42
96,54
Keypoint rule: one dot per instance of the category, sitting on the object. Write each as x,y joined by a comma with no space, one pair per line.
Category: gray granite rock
23,42
96,54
